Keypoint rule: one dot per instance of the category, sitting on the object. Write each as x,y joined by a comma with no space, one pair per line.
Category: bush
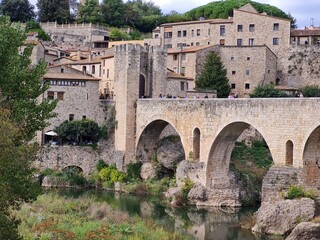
295,192
110,175
310,91
267,91
100,165
188,184
133,170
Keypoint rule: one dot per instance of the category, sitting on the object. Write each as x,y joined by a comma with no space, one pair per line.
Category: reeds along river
200,223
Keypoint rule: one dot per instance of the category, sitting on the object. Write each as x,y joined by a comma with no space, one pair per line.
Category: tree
90,12
78,130
113,12
53,10
267,91
293,23
214,76
20,83
21,114
18,10
34,26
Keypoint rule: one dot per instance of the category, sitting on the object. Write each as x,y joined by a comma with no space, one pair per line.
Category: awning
51,133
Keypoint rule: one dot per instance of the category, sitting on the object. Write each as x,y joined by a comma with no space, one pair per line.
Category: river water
199,223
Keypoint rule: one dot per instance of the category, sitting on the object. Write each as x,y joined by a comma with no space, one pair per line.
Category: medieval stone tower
140,72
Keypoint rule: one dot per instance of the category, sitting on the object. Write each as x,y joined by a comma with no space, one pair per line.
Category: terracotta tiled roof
172,74
302,32
67,76
189,49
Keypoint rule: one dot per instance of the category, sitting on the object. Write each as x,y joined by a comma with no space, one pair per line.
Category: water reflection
199,223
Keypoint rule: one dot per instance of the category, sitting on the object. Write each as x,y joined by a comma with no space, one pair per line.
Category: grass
55,217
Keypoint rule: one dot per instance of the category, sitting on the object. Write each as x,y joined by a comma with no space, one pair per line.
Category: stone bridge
209,128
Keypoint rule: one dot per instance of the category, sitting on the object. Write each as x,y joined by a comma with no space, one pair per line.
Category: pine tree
17,10
214,76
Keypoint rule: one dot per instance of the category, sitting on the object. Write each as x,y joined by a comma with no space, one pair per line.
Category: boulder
192,170
147,171
174,196
305,231
169,154
197,193
281,217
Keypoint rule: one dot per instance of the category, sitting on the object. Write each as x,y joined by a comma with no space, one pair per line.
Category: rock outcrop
169,154
147,171
197,193
305,231
281,217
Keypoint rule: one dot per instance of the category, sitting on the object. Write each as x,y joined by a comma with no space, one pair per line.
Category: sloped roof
172,74
67,76
189,49
305,32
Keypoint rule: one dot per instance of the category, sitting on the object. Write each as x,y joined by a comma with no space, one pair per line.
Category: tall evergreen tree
113,12
54,10
214,76
18,10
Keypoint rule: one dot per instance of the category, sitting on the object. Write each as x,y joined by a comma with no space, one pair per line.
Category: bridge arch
149,139
221,150
311,158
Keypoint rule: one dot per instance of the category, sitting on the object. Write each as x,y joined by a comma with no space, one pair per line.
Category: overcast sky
302,10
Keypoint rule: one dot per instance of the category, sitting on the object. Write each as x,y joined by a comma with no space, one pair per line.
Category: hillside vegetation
224,9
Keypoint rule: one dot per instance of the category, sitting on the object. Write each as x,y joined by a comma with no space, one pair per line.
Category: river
200,223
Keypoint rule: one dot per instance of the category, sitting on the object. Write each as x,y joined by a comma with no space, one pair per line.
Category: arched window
196,144
289,153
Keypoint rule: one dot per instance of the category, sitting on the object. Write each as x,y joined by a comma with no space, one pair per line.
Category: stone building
77,94
107,76
247,27
307,36
76,34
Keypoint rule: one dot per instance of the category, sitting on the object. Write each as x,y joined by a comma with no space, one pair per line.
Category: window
93,69
60,95
222,41
71,117
84,69
168,45
168,35
198,32
222,30
175,57
247,86
184,33
183,56
192,33
50,95
233,72
275,41
179,33
239,42
181,86
175,69
61,70
104,63
208,32
247,72
251,41
197,43
248,58
84,117
156,36
107,73
276,27
240,28
251,27
232,58
192,44
183,71
233,86
180,45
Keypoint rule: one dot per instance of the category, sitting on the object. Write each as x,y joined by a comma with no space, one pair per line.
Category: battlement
71,26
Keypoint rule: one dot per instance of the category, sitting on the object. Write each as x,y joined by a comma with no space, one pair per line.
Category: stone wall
299,66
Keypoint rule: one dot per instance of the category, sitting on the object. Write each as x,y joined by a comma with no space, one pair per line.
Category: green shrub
267,91
188,184
73,176
295,192
310,91
133,170
110,175
100,165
